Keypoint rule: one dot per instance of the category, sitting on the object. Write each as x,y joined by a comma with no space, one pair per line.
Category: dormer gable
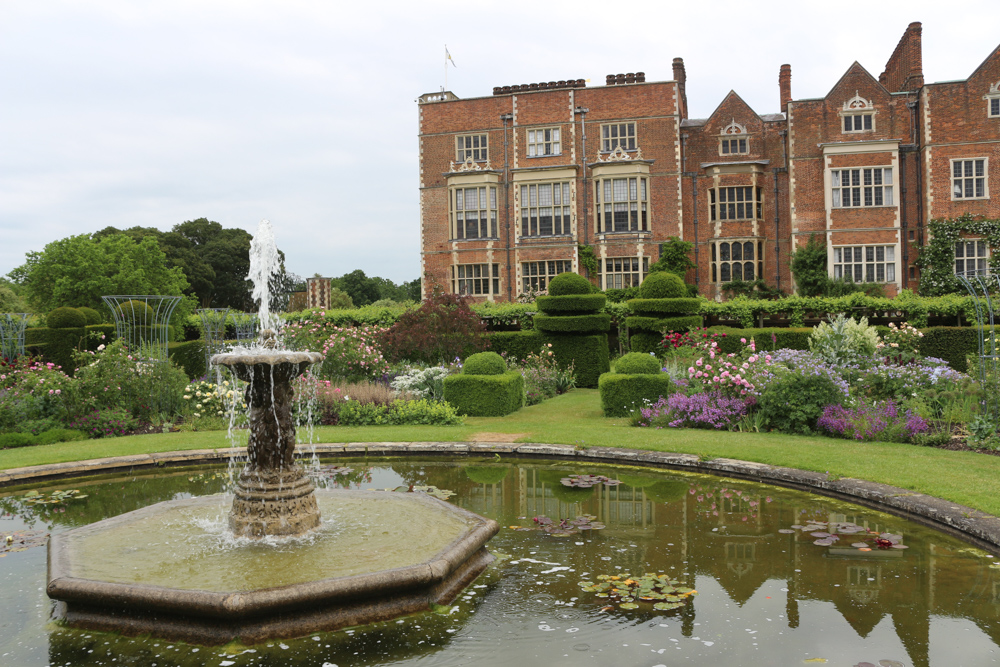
858,99
735,125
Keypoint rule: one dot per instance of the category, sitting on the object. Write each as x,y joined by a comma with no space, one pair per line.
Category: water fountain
289,560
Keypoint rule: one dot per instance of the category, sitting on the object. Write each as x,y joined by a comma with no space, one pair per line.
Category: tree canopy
79,270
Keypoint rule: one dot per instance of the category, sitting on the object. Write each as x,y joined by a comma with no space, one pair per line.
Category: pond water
766,592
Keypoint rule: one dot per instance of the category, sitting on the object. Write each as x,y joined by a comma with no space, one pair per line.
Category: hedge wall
596,323
793,339
644,306
951,344
485,395
646,341
661,324
588,354
516,344
190,356
622,393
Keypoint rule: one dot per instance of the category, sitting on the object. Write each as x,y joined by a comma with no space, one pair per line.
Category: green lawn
576,419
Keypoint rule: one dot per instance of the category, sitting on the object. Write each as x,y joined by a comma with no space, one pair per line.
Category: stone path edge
972,525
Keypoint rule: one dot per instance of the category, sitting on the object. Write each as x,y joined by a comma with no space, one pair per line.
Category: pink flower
743,340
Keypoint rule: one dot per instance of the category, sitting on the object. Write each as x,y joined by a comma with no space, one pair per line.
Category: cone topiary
66,318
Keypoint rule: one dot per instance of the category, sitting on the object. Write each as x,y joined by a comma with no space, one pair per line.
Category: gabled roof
994,53
855,66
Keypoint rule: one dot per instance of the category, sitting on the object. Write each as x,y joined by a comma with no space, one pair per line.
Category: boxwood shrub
571,303
485,395
635,363
622,393
569,283
653,307
595,322
484,363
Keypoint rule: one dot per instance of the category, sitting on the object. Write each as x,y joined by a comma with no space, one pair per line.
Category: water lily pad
785,530
900,546
20,540
587,481
667,606
859,545
629,605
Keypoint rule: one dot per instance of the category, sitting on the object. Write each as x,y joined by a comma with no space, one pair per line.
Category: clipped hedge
516,344
66,318
662,324
622,393
571,303
793,339
190,356
644,306
485,395
951,344
589,355
93,317
646,342
595,322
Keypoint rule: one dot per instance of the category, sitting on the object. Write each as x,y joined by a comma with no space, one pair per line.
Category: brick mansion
512,184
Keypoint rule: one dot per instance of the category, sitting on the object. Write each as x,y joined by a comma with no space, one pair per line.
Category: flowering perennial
872,421
705,410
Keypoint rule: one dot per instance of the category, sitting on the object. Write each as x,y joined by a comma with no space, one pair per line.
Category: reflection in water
763,595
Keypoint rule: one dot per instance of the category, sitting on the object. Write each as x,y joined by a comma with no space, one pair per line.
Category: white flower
197,414
187,397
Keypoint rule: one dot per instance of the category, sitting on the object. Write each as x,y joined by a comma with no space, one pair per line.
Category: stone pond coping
970,524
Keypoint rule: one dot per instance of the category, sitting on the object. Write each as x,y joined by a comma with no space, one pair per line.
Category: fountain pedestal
273,494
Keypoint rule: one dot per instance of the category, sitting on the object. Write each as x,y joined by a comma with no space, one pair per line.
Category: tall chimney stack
680,76
785,86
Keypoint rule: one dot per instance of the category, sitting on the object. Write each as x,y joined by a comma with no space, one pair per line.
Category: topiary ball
662,285
636,363
484,363
136,312
66,318
93,317
569,283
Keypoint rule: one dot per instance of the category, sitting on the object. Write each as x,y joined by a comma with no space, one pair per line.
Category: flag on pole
447,57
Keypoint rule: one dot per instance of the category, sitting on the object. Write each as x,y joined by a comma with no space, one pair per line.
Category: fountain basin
172,571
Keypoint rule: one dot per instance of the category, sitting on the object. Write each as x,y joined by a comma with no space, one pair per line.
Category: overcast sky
124,113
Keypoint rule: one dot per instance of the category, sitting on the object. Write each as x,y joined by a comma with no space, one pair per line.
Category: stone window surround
857,107
887,263
639,265
717,263
555,139
980,256
734,134
609,143
467,278
475,146
985,177
460,181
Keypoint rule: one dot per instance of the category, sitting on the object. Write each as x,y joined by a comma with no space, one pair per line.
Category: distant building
512,184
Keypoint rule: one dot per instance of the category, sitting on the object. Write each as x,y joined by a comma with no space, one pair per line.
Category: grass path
575,419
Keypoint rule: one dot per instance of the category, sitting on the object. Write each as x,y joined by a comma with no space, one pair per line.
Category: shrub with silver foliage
423,382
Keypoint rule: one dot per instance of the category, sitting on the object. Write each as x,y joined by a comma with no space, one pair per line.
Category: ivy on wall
937,259
588,259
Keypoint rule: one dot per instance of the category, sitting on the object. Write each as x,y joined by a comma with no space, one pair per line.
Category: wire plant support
12,327
979,287
213,332
246,325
